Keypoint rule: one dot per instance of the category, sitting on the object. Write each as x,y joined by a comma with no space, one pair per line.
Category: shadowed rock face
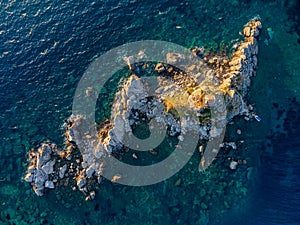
175,92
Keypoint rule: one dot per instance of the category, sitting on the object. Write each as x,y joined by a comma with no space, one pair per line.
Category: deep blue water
46,47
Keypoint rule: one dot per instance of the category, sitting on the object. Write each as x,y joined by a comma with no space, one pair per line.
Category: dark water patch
281,173
293,10
275,199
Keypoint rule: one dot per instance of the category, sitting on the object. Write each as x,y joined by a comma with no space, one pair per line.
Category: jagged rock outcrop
213,81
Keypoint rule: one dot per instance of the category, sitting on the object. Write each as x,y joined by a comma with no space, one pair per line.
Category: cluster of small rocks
41,172
50,167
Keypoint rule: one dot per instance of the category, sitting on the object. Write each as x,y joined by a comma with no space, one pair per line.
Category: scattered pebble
233,164
180,138
135,156
153,152
200,148
115,178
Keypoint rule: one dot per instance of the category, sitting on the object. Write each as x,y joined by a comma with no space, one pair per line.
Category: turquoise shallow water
45,49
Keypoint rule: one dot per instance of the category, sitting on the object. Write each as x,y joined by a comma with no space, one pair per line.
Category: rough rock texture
41,168
162,100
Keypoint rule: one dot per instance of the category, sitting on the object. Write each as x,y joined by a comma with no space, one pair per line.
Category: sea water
45,49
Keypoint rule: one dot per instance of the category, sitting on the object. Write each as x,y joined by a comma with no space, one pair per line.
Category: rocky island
209,92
